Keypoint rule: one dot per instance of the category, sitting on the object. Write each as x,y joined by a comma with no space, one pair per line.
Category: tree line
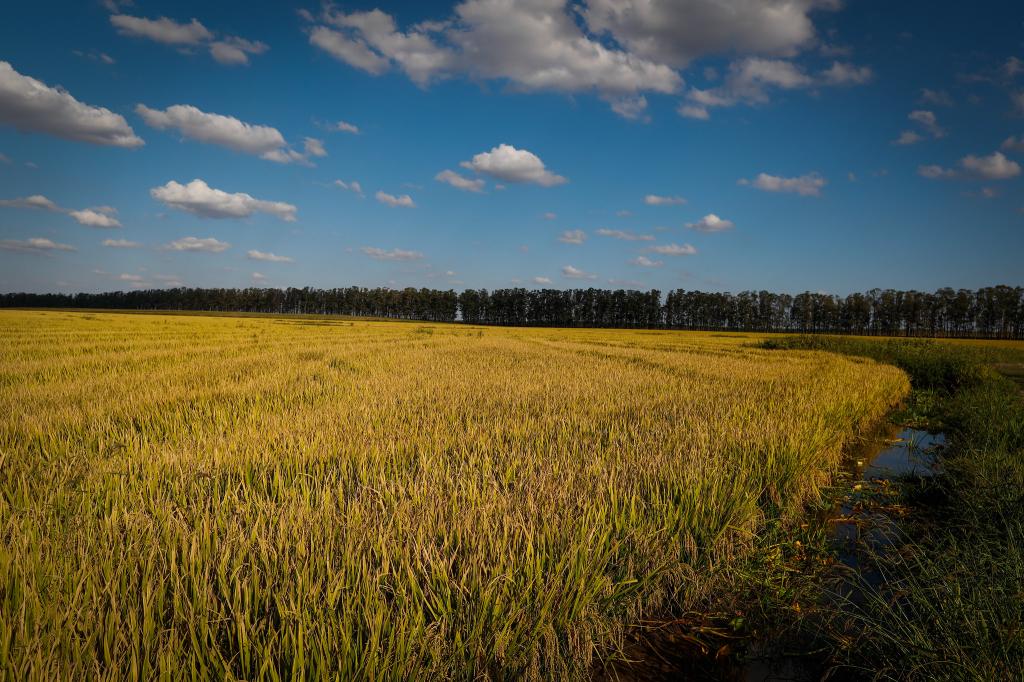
990,312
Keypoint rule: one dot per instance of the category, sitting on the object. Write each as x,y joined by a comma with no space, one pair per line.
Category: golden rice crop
268,498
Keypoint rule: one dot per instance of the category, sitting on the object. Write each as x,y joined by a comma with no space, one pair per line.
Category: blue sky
718,145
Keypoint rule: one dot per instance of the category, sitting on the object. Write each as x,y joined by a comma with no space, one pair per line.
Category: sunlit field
266,498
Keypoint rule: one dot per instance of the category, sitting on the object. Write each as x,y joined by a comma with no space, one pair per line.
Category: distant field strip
261,498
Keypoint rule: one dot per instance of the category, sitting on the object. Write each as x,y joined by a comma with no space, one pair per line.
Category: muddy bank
862,505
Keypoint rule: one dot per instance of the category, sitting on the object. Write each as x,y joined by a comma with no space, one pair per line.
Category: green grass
950,603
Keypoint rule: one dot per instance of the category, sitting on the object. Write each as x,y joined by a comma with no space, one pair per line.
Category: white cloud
676,32
227,131
928,121
550,215
200,199
403,201
233,50
575,273
694,111
162,30
101,216
1013,144
541,280
460,182
841,73
711,223
393,254
32,106
352,186
573,237
804,185
34,245
228,50
121,244
645,262
907,137
33,201
939,98
253,254
345,127
995,166
751,80
353,52
258,277
126,277
209,244
656,200
625,235
630,107
507,163
935,172
536,45
673,250
313,147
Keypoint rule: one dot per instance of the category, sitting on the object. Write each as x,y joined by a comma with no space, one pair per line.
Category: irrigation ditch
912,565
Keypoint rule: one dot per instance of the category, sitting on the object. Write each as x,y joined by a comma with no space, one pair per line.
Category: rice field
276,498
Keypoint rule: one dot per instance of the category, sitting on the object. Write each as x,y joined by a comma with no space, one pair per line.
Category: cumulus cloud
676,32
344,127
33,201
995,166
200,199
645,262
541,280
228,50
393,254
935,172
403,201
939,98
841,73
575,273
573,237
352,186
233,50
1013,144
751,81
97,216
162,30
100,216
928,121
625,235
711,223
258,277
535,45
253,254
460,182
121,244
38,245
908,137
804,185
227,131
209,244
507,163
656,200
32,106
673,250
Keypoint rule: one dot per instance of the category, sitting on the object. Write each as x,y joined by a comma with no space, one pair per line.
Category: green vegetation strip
948,599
